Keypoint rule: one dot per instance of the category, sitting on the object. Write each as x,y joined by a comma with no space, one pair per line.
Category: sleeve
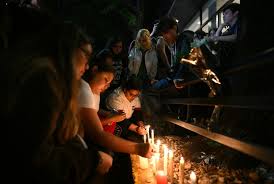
160,47
86,98
114,102
153,71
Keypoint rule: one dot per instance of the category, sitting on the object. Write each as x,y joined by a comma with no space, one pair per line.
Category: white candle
161,177
147,128
149,141
153,162
165,158
144,137
193,177
181,170
157,159
170,165
158,146
152,136
143,162
163,148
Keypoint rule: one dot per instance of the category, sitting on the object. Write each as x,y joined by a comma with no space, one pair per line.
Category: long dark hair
40,67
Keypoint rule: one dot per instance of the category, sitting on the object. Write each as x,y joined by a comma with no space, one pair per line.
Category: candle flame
170,153
161,173
182,160
192,176
158,142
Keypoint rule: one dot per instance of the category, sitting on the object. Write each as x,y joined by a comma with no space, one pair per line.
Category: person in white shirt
126,99
81,57
99,78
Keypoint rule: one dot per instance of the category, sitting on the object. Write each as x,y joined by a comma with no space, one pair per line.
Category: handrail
262,153
246,102
264,59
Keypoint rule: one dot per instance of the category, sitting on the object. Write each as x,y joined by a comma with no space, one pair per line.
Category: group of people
55,129
65,116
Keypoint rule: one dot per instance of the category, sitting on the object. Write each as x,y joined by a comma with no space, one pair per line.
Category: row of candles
163,166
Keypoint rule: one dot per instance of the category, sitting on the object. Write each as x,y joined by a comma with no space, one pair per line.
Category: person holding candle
108,118
99,78
126,99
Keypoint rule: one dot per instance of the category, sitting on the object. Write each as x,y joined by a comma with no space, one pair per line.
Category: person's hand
211,39
144,150
141,124
141,130
178,83
119,117
223,25
105,163
154,29
153,81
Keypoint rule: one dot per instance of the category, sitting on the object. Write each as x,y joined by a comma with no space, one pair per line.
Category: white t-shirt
118,101
86,98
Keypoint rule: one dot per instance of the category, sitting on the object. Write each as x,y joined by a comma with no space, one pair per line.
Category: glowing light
192,177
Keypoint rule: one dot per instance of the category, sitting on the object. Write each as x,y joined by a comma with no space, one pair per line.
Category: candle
157,158
152,136
144,137
161,177
147,128
149,141
181,170
170,166
158,146
192,178
153,162
165,158
143,162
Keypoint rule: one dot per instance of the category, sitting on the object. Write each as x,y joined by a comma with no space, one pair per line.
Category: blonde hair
143,33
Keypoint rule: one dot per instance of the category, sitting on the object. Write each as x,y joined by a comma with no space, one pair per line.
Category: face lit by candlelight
131,94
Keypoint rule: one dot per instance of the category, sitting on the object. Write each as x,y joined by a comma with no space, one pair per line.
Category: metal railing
242,102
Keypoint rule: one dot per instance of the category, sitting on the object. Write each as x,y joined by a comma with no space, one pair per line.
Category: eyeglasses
134,95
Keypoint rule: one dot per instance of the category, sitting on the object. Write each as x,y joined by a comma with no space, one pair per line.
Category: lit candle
165,158
193,178
170,165
147,128
143,162
152,136
144,137
181,170
161,177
